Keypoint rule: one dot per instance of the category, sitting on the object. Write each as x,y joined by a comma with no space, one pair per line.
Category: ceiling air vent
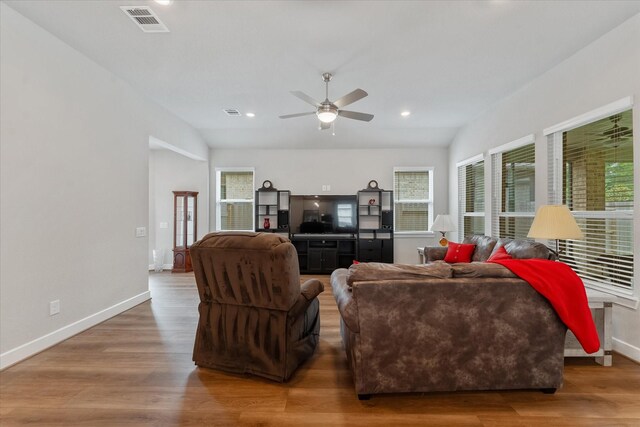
232,112
145,18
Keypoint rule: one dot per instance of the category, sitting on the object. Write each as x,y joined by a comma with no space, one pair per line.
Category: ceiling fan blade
350,98
290,116
357,116
616,130
324,125
306,98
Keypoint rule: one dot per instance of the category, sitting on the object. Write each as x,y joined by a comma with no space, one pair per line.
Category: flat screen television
323,214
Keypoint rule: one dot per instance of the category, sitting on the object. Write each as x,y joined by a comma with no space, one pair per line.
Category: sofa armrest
434,253
344,299
308,291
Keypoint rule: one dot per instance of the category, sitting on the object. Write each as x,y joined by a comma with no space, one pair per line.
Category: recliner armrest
308,291
311,289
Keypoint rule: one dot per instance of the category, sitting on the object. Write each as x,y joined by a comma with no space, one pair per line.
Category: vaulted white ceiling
444,61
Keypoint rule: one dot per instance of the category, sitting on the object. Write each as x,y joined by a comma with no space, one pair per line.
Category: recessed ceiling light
405,113
164,2
251,115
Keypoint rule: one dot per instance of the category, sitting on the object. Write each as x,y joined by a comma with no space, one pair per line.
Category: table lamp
443,223
554,222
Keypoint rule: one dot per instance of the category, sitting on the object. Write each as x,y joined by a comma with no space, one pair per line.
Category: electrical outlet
141,231
54,307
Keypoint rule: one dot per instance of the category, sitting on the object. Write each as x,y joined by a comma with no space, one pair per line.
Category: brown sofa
255,317
442,327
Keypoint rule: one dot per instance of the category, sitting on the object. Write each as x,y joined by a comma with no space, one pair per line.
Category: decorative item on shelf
372,201
554,222
373,185
267,224
443,223
267,185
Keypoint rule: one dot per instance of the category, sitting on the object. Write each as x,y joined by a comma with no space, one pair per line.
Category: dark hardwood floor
136,369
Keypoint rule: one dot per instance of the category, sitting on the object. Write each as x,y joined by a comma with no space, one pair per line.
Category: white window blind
513,191
234,200
412,194
591,171
471,198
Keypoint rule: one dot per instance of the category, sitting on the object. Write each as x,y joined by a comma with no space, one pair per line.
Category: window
234,199
413,203
345,215
591,171
471,196
513,188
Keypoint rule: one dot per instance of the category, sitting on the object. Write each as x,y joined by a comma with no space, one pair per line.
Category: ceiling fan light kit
328,111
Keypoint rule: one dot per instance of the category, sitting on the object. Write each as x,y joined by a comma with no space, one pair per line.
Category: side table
601,305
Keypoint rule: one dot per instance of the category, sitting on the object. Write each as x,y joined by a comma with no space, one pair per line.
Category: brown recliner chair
255,317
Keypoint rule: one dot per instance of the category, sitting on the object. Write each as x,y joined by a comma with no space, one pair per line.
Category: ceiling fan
328,111
616,131
615,134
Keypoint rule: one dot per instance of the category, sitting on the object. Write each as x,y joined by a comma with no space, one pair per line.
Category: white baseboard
626,349
24,351
164,267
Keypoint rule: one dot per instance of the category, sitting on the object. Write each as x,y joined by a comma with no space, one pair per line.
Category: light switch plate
141,231
54,307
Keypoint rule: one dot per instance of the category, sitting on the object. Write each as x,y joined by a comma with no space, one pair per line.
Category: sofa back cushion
481,269
484,246
498,254
524,249
378,271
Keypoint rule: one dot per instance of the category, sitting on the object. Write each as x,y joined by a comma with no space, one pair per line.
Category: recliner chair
255,317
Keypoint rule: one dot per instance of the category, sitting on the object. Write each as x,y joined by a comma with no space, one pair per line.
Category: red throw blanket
562,287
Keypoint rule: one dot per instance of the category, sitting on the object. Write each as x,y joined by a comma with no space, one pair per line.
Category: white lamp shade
554,222
443,223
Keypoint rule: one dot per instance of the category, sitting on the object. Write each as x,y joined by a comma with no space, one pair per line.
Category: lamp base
443,241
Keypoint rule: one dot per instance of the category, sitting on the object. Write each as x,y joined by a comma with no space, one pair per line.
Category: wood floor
136,369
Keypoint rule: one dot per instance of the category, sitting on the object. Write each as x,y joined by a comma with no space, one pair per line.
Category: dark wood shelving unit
375,224
272,209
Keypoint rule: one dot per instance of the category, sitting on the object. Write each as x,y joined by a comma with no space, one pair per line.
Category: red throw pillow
501,253
459,252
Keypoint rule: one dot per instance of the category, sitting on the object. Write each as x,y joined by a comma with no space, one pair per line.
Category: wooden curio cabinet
185,212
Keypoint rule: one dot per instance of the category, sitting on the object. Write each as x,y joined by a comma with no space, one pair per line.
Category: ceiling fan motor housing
327,112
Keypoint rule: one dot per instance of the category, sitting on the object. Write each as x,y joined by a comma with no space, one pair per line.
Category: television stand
323,253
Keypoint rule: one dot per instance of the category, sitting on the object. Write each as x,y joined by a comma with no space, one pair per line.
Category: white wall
170,172
603,72
73,188
346,171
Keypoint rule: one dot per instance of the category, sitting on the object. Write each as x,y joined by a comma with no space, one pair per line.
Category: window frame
428,201
219,201
555,166
462,193
495,156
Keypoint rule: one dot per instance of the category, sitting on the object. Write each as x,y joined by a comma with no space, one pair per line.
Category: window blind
235,205
412,200
471,198
513,192
591,171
